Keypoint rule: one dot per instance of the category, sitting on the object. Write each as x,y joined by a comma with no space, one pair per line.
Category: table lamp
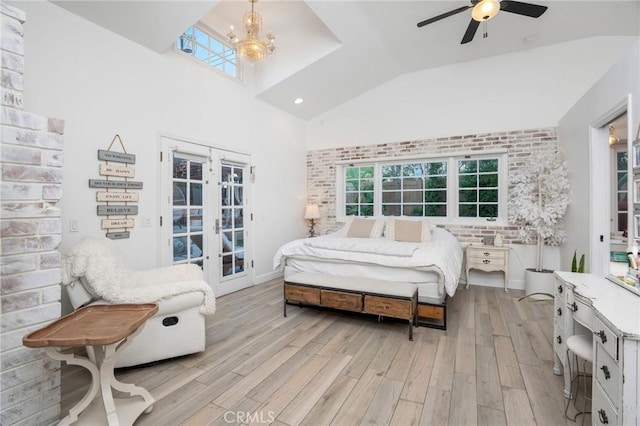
311,214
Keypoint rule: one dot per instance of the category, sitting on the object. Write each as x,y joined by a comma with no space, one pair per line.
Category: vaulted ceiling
333,50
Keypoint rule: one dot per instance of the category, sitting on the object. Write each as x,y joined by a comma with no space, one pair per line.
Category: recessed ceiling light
298,101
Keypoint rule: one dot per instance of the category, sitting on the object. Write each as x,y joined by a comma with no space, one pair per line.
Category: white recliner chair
95,273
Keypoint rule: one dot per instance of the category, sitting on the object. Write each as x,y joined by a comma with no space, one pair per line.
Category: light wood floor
493,366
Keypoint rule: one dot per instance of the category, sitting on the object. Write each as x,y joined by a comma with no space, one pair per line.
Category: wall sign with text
116,200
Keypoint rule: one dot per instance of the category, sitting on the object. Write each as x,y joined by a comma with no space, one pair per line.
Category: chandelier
252,48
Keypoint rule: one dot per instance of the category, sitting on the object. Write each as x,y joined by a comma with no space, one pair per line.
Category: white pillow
407,230
357,227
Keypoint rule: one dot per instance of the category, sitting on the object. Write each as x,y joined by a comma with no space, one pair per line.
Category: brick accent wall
521,144
31,161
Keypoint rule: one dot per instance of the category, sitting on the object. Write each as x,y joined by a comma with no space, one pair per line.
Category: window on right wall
478,188
460,188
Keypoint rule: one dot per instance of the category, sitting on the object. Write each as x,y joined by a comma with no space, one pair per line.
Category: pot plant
538,201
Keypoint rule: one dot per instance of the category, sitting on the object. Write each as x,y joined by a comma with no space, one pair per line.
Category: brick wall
321,168
31,161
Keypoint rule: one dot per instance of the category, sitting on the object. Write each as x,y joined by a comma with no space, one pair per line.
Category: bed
393,249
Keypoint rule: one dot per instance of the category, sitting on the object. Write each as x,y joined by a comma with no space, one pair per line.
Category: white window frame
222,40
452,217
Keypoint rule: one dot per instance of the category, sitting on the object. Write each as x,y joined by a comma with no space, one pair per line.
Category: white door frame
213,155
600,187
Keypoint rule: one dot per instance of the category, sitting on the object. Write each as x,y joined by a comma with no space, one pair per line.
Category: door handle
217,226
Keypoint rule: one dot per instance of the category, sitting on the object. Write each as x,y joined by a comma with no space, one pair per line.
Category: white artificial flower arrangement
539,199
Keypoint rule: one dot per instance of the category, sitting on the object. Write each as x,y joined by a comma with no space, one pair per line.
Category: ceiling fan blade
519,8
444,15
471,31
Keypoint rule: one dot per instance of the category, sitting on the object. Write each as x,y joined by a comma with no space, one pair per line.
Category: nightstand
488,259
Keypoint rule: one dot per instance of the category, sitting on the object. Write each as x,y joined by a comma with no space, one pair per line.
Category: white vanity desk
612,313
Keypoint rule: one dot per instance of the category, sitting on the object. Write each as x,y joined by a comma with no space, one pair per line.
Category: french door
205,203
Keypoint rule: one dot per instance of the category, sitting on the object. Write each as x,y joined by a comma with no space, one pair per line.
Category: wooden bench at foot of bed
432,315
355,294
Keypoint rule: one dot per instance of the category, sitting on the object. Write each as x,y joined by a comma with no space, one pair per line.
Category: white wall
622,80
102,84
528,89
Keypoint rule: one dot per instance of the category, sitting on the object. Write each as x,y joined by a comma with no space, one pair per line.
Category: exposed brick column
31,163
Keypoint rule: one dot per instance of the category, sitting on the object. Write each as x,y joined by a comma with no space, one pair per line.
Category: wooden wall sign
116,157
96,183
120,171
116,223
117,196
117,235
117,210
115,202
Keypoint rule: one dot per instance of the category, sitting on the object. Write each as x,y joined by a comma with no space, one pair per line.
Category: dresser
585,303
488,259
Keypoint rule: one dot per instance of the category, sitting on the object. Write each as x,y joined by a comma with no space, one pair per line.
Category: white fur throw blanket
111,279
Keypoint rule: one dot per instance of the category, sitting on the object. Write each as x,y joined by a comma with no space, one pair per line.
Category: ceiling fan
483,10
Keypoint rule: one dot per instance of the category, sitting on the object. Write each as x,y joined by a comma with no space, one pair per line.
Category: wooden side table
107,329
488,259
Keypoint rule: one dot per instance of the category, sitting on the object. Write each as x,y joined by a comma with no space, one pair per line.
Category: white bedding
443,255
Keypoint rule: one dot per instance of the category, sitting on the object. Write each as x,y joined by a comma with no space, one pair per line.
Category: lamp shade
312,212
485,10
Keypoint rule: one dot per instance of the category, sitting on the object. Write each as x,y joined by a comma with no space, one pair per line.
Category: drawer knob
573,307
605,370
603,337
485,261
602,415
559,289
559,312
559,339
486,253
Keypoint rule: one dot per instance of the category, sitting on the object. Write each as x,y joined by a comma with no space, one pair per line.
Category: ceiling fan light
485,10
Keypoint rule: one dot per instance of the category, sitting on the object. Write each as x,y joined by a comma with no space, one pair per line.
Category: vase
539,282
498,240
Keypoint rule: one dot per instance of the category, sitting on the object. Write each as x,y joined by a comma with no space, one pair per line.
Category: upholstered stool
579,347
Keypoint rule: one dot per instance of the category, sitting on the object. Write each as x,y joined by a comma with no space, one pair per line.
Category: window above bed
453,188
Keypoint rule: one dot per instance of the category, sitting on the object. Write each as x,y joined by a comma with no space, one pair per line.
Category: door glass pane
179,168
180,248
179,191
188,242
195,219
227,242
232,219
227,218
195,194
238,220
237,200
196,171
